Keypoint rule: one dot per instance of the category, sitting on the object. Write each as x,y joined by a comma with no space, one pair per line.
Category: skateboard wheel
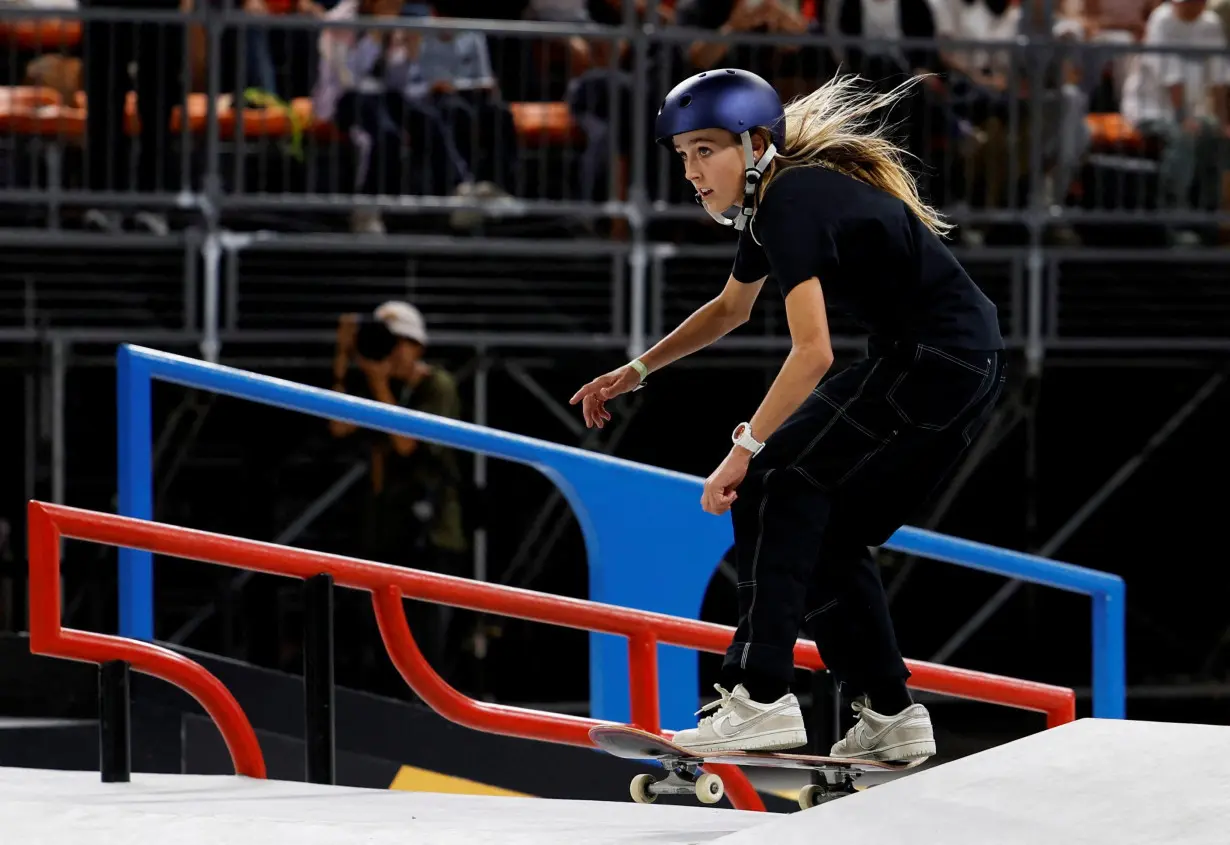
709,788
640,789
810,795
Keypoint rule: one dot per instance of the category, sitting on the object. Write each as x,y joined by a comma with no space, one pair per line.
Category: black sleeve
797,233
751,264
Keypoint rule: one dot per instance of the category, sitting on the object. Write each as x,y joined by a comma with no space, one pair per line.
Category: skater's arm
811,355
707,324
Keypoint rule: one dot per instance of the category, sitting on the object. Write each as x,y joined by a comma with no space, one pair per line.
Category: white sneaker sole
899,752
773,741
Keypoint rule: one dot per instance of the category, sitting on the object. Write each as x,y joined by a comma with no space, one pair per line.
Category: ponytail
832,127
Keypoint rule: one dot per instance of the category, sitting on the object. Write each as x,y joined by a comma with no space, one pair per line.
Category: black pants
158,50
484,132
391,122
861,454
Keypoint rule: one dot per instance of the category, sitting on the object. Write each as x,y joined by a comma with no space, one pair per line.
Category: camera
374,341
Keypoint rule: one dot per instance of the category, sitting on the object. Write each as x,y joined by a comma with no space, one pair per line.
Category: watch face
740,429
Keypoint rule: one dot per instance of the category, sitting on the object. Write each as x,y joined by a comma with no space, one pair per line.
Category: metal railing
665,565
389,585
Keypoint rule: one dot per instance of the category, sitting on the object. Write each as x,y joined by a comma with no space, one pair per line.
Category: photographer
412,513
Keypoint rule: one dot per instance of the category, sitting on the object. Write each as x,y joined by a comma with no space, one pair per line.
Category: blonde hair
833,127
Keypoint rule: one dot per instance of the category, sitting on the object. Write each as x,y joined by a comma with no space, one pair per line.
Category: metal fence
236,146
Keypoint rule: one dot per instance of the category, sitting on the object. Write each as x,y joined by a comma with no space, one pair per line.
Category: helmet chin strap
739,215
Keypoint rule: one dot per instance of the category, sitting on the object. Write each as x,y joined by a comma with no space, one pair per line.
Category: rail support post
318,690
114,723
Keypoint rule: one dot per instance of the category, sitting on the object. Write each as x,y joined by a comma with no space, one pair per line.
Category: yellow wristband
640,368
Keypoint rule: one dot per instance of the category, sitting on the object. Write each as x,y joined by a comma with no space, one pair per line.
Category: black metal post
114,723
318,693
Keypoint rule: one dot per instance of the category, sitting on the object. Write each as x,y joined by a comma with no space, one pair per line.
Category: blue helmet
734,100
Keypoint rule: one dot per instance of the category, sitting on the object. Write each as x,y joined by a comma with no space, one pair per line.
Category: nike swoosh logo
735,727
868,737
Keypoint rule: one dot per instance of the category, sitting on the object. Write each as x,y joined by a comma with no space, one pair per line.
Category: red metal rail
389,584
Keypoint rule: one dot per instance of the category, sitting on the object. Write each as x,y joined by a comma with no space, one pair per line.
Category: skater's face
713,162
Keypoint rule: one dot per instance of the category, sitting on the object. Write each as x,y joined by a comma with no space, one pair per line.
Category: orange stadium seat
38,35
1112,134
541,124
37,111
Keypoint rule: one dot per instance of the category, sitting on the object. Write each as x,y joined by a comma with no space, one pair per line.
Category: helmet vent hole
685,101
730,71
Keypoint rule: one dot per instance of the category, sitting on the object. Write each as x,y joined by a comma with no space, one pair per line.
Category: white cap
403,320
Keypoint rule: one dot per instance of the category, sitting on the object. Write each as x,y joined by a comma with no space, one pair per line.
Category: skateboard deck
636,744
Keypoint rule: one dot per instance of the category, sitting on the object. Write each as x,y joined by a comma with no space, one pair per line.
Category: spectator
353,90
886,64
888,21
582,54
412,514
1116,22
792,70
589,100
979,90
451,76
257,55
1180,101
1063,103
1221,8
110,48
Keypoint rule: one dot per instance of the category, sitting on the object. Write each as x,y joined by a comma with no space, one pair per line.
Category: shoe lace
726,698
858,707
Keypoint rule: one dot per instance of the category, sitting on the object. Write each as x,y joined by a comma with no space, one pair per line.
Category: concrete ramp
1092,782
43,807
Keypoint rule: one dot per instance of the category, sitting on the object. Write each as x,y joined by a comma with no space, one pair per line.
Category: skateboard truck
683,779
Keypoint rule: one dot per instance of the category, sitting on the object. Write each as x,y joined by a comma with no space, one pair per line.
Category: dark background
250,468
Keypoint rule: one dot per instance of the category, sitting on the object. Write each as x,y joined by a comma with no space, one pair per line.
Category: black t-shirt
876,261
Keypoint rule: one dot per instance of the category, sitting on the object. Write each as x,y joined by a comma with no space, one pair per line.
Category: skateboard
683,776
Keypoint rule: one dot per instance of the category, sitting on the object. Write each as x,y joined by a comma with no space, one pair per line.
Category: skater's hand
720,487
593,396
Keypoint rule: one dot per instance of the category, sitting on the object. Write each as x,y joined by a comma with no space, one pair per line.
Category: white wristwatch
742,436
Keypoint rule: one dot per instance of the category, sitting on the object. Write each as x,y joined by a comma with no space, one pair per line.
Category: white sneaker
741,724
104,220
905,736
153,222
465,218
367,221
